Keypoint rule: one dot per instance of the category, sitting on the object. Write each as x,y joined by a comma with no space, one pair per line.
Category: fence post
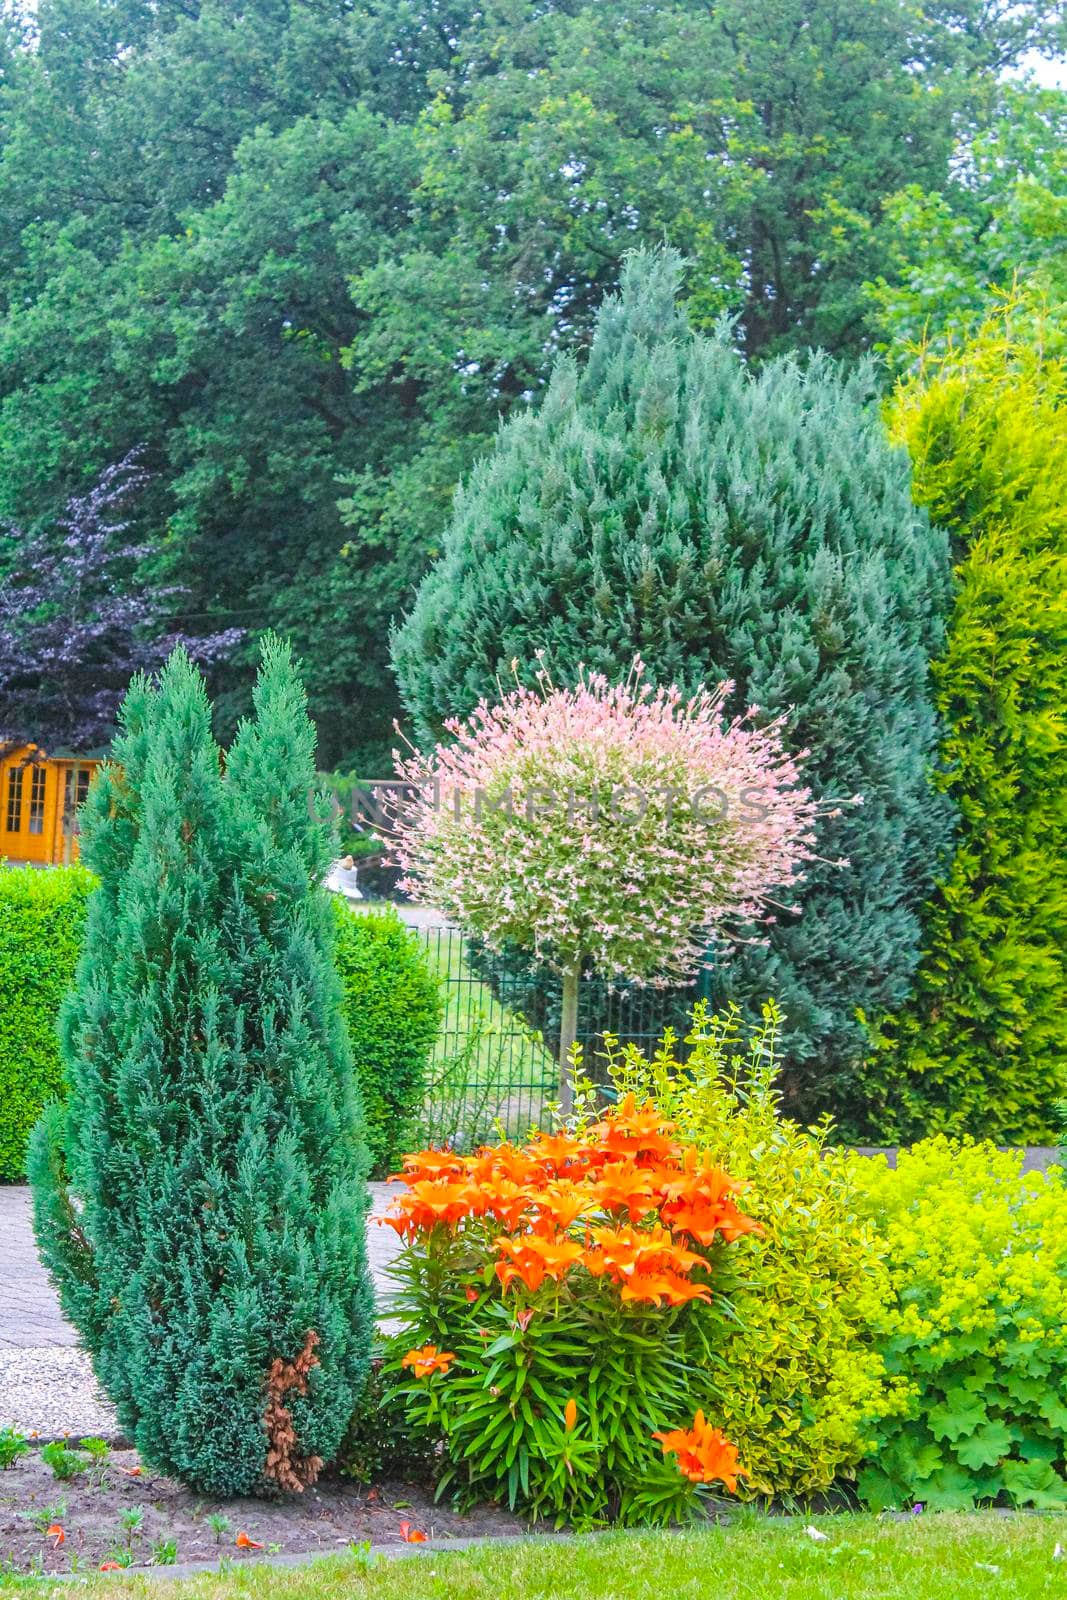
568,1031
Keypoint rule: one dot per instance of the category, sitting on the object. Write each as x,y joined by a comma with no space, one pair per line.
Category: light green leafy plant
64,1462
12,1445
45,1516
131,1520
978,1328
219,1524
99,1453
796,1373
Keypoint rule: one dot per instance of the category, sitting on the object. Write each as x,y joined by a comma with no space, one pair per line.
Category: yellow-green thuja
983,1044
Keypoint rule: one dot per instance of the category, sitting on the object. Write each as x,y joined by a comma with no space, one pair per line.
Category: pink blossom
641,824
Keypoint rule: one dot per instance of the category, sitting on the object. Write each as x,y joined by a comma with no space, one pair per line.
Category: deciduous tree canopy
310,253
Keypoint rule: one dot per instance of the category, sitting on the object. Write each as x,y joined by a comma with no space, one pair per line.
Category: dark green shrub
392,1007
42,917
200,1201
379,1443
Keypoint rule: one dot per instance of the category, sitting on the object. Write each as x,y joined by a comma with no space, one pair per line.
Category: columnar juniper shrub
556,1297
200,1201
392,1009
42,918
796,1373
977,1328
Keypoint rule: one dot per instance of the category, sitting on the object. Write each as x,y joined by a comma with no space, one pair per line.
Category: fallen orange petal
110,1566
243,1542
55,1533
411,1535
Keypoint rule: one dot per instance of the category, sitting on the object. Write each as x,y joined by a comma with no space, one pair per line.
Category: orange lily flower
507,1200
428,1164
507,1162
621,1186
533,1258
559,1152
429,1201
704,1454
627,1131
561,1203
663,1285
627,1251
428,1359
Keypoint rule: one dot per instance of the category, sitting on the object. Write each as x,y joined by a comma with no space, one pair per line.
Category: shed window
14,799
37,800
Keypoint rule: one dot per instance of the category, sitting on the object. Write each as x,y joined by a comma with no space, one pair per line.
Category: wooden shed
39,799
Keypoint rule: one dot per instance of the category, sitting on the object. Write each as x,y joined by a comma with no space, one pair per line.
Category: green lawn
943,1557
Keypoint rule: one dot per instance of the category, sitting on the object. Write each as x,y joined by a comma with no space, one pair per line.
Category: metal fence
494,1064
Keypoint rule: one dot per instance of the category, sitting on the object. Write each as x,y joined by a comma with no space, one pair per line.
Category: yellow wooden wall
37,798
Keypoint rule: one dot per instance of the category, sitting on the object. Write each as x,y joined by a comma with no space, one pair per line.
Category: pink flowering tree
609,827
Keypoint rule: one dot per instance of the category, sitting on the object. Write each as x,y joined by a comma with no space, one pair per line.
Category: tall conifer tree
200,1202
982,1045
663,499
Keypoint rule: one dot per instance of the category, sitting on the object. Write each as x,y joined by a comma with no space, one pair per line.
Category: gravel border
49,1391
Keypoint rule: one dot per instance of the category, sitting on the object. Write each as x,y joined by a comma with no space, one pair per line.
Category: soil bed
325,1519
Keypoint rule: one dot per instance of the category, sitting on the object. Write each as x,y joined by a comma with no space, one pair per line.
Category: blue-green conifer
664,499
200,1201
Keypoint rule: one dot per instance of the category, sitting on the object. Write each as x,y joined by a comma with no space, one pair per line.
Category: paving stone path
46,1385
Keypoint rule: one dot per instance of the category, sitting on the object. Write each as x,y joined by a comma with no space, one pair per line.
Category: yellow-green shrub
798,1373
978,1328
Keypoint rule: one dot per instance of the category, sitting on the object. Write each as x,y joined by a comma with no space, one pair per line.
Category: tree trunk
568,1030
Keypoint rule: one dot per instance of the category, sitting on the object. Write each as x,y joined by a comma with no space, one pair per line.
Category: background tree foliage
78,617
310,251
1002,218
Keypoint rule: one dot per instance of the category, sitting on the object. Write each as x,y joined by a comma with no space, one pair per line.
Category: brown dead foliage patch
285,1465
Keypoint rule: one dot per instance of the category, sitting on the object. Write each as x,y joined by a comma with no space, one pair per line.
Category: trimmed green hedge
392,1009
42,914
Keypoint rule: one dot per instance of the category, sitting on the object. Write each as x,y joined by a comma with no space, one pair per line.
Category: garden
614,510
